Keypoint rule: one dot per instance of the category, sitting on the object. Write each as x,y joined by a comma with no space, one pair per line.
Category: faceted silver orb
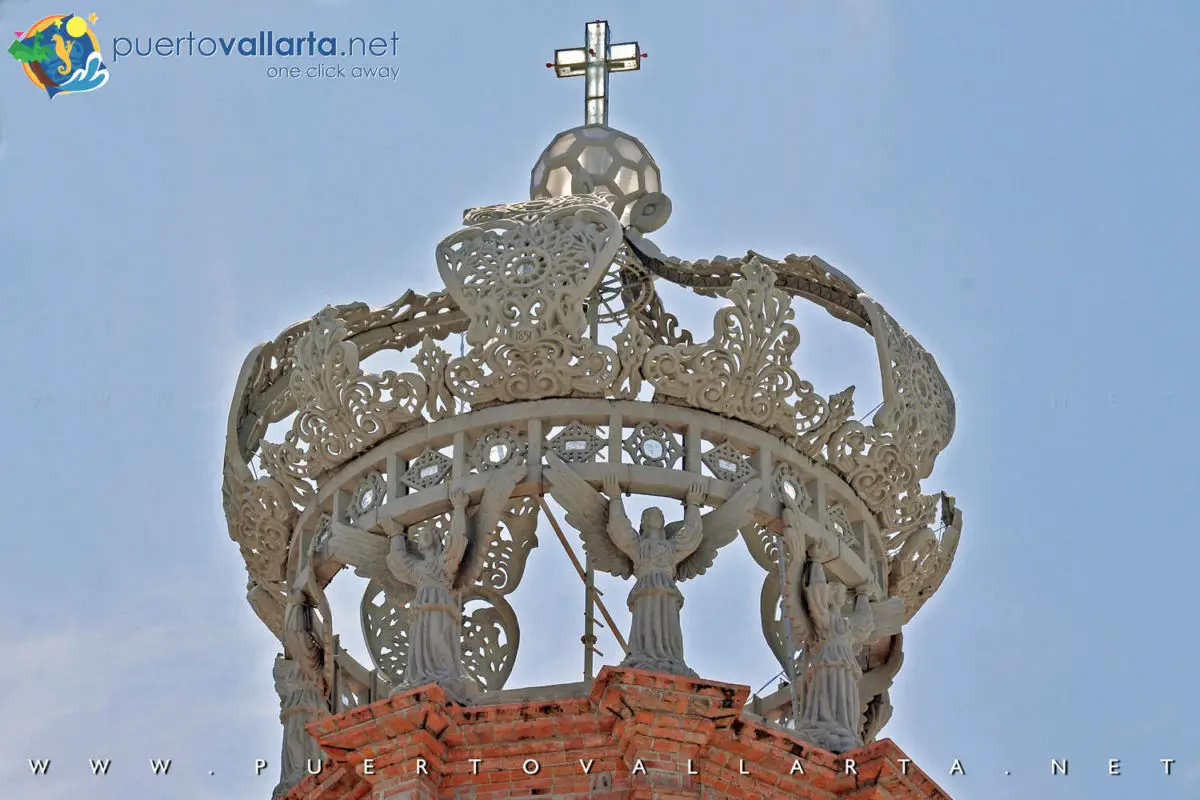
596,158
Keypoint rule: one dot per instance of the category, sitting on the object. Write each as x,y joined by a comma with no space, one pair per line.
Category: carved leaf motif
342,410
918,406
261,516
745,370
491,637
431,361
524,288
385,624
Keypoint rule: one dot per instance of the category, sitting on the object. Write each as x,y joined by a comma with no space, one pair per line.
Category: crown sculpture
573,380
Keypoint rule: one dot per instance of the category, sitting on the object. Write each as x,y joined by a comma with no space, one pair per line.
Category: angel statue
300,682
428,575
839,706
658,555
830,713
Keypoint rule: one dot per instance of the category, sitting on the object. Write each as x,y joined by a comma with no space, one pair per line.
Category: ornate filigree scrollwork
745,370
632,347
431,362
342,410
490,632
370,495
525,288
728,463
790,488
427,470
491,637
498,448
531,211
918,406
924,560
577,443
385,623
885,462
260,515
839,524
653,445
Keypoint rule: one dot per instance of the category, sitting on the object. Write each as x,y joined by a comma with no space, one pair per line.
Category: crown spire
594,61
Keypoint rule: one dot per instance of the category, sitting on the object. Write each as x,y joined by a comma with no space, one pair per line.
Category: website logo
60,54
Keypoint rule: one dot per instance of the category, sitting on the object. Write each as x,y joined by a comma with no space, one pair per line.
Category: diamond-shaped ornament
427,470
577,443
728,463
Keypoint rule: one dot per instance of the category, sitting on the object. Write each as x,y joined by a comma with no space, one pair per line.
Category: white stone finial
594,62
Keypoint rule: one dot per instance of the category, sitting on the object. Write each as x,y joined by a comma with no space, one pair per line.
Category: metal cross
595,61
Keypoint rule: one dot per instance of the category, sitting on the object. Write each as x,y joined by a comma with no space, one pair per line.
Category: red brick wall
636,731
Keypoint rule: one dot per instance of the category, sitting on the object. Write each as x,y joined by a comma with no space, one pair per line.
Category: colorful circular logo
60,54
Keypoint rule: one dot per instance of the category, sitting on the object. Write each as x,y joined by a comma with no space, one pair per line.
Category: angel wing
368,554
721,526
483,522
268,605
587,512
792,594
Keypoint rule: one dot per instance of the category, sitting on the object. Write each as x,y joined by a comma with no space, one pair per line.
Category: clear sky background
1017,183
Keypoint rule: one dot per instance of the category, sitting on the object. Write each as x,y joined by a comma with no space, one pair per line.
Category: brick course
637,731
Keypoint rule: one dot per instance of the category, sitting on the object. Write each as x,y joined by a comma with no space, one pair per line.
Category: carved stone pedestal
629,734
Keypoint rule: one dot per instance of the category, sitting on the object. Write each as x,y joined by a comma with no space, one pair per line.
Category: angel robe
831,698
435,632
655,635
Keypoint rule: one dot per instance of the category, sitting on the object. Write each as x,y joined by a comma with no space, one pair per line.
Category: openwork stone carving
428,572
836,514
342,410
385,621
577,443
654,446
886,461
790,488
923,561
497,449
431,362
728,463
524,288
490,638
659,555
873,690
427,470
491,634
745,371
369,495
557,302
533,211
261,516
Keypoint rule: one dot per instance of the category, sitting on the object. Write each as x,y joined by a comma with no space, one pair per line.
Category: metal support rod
791,644
589,574
612,626
589,620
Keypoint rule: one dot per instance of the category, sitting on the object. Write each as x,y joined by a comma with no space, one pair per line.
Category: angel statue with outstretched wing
830,711
430,574
658,555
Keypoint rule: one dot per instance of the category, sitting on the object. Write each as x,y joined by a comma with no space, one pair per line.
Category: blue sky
1017,183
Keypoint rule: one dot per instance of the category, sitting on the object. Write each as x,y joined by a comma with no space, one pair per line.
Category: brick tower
573,390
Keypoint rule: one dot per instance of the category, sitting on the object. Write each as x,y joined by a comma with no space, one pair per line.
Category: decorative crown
571,374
